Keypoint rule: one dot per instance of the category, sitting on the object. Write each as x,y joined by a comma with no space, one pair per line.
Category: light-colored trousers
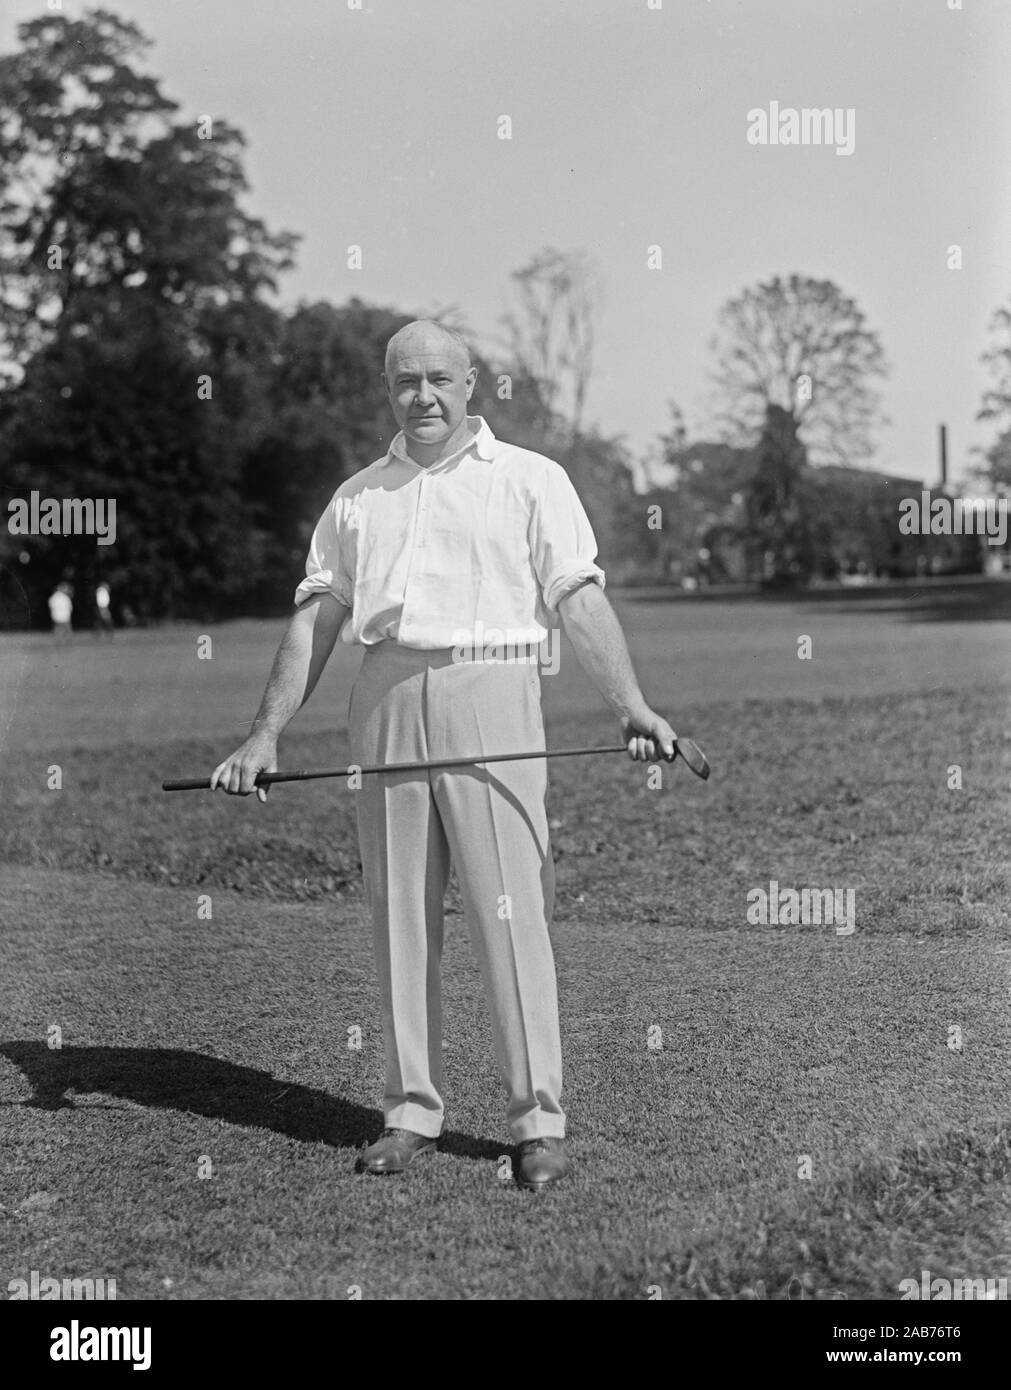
409,705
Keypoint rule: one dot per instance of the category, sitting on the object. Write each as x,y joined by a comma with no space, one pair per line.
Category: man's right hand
237,774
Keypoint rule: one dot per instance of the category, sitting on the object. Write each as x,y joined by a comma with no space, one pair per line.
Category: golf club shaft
268,778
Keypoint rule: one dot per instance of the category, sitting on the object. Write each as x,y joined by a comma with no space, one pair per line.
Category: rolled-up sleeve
563,546
325,566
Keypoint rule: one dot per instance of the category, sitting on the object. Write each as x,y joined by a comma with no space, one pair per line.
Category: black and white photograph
505,599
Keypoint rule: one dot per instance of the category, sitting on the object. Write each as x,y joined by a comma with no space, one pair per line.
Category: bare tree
551,333
803,346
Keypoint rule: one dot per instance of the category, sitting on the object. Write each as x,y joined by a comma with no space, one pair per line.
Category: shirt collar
482,441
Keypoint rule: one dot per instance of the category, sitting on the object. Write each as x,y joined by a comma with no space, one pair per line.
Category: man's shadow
192,1082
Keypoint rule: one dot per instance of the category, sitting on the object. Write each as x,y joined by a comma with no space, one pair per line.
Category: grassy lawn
222,1046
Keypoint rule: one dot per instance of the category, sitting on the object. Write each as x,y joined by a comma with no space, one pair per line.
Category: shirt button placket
422,510
418,543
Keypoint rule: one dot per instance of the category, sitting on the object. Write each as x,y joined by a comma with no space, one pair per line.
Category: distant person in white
453,531
61,608
103,611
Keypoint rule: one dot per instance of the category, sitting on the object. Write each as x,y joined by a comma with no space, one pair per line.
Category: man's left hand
645,733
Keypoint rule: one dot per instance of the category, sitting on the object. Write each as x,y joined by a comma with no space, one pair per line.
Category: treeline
765,514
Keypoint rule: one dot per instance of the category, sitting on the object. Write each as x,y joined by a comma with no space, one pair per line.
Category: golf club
689,751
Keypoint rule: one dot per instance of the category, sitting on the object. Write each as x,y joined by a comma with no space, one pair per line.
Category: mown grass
227,1039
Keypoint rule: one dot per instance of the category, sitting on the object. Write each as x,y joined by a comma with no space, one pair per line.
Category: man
449,535
103,611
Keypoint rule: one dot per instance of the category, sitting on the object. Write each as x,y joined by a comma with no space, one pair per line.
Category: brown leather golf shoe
542,1163
394,1150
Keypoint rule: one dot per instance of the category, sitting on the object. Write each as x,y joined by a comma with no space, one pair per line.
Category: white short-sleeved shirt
488,539
60,606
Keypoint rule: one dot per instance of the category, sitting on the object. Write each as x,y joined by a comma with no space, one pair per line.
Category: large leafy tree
803,346
135,312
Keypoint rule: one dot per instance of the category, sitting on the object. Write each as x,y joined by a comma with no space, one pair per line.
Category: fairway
754,1110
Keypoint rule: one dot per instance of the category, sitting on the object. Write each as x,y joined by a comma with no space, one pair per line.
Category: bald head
429,379
426,338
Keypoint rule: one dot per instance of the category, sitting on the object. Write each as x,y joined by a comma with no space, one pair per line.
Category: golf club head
694,757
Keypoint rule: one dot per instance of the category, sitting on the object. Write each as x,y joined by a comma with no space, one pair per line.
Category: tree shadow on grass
966,599
934,605
194,1083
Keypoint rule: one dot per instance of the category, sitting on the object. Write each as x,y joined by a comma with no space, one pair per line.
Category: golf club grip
692,755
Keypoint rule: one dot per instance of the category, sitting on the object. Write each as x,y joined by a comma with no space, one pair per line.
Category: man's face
429,385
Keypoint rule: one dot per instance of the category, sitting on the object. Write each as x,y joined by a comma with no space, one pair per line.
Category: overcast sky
379,127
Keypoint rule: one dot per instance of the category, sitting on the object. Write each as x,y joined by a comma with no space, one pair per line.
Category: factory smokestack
943,440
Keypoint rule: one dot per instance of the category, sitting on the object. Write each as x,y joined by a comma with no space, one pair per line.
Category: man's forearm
301,657
595,633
